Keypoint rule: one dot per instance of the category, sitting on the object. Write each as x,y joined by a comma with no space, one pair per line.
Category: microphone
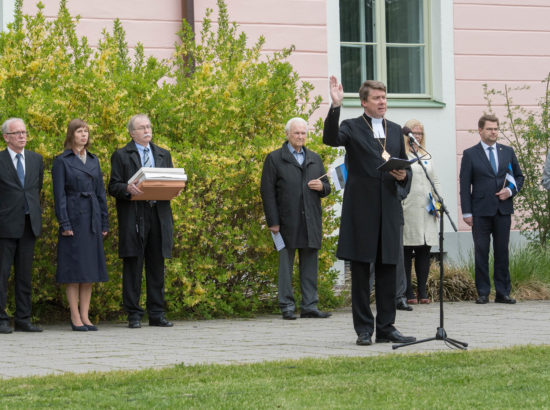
408,133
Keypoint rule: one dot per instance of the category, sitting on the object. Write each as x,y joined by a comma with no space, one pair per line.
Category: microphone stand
440,334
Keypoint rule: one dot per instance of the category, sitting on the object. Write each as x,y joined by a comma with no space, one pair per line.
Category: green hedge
217,105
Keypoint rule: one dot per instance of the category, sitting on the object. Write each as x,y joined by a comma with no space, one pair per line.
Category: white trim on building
7,11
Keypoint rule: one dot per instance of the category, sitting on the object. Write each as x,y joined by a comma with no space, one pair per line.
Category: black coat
479,184
372,199
125,162
81,207
12,195
285,195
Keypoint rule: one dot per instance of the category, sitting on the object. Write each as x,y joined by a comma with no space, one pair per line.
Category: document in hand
158,184
278,240
396,163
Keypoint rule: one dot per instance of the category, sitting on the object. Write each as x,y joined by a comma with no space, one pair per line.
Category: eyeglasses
418,134
22,133
144,127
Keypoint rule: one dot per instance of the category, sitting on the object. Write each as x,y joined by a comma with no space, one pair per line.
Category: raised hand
336,91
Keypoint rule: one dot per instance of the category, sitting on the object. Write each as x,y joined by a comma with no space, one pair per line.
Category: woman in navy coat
81,211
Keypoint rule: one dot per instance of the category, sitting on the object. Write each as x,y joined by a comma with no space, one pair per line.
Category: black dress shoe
134,324
314,314
364,339
91,328
160,322
482,300
26,327
505,299
394,336
403,305
5,327
75,328
289,315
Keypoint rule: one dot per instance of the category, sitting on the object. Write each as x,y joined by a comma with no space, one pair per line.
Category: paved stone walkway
59,350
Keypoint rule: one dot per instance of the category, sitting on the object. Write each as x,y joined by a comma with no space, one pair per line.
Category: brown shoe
425,301
412,301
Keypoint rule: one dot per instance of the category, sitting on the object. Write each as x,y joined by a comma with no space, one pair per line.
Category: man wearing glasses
20,222
144,227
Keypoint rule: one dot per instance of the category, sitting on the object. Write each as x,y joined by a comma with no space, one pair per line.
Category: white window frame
380,48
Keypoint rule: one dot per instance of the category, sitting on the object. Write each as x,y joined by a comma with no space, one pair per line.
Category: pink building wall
155,23
302,23
498,43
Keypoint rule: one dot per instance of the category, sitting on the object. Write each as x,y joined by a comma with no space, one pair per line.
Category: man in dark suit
490,177
144,227
20,222
291,193
372,216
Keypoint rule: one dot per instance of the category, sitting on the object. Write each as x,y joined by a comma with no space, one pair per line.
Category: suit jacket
125,162
285,195
13,195
372,199
479,184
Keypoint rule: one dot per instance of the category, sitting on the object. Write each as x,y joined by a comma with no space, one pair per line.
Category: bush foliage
218,105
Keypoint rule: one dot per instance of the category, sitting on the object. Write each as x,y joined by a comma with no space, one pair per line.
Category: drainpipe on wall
188,11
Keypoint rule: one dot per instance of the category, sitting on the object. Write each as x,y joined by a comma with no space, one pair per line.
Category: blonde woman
420,231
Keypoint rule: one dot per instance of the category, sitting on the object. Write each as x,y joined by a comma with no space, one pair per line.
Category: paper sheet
278,241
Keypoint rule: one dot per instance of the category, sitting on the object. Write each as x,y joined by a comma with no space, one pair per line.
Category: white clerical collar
378,128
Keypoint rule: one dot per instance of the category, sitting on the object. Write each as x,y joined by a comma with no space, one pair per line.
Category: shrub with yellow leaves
218,106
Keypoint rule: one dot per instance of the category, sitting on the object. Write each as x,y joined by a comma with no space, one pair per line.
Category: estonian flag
339,175
432,207
510,178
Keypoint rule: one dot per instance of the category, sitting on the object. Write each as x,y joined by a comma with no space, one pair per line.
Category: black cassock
372,199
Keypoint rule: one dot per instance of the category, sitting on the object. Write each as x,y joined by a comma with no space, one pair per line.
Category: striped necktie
20,170
146,158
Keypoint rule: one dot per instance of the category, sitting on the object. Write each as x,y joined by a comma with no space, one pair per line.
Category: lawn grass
507,378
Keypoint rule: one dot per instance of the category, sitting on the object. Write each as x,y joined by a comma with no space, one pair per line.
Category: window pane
357,66
356,20
405,70
404,21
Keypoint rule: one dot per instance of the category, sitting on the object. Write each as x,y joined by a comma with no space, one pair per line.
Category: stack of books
158,184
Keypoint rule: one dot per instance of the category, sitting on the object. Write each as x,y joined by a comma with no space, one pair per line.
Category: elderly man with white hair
145,228
291,190
20,222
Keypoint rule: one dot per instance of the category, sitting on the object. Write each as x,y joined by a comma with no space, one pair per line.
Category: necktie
492,159
146,158
20,170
